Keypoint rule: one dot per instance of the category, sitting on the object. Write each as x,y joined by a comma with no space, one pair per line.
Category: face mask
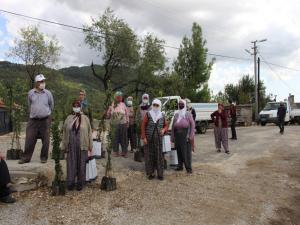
155,109
118,98
145,101
181,106
42,86
76,109
129,103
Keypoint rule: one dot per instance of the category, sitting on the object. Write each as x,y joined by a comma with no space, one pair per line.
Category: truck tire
263,124
201,129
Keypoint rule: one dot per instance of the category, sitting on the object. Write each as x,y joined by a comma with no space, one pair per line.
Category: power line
270,67
82,30
284,67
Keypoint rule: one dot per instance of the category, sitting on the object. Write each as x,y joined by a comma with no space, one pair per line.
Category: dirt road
258,183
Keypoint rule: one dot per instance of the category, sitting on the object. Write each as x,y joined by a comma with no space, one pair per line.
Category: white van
203,111
269,113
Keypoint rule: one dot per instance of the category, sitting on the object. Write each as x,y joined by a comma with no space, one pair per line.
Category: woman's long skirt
154,159
184,149
76,161
221,136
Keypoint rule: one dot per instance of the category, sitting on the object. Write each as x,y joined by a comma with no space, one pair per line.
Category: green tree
220,98
232,92
192,67
35,50
116,42
244,91
14,96
150,67
58,186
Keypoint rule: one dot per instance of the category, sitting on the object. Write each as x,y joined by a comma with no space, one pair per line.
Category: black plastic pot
138,156
14,154
108,184
58,188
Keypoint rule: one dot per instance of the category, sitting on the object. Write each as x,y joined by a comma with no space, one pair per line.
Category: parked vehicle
203,111
295,113
269,113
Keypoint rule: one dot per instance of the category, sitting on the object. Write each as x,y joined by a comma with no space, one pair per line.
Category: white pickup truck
203,111
269,113
295,113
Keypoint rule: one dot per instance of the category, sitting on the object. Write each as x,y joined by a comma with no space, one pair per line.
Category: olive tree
35,50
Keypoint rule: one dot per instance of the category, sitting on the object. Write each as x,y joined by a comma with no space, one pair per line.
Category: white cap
39,77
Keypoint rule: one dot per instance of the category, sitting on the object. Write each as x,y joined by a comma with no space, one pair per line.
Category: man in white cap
40,104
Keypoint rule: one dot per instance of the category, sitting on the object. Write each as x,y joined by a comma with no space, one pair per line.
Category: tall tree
116,43
35,50
244,91
150,67
192,66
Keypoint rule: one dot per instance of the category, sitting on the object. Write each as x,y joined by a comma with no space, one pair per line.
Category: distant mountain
64,83
82,75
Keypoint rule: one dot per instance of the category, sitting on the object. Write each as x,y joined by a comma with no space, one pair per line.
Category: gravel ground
258,183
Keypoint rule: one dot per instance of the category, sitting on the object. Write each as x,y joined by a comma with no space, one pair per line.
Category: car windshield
296,105
273,106
163,100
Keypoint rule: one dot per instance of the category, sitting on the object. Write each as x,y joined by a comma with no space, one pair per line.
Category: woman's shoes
79,187
116,154
151,177
189,171
8,199
71,187
124,155
160,178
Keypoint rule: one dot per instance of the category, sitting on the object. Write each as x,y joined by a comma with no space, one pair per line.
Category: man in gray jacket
41,104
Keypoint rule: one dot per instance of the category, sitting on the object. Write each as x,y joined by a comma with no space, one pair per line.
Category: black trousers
37,129
232,126
281,125
184,149
132,136
4,179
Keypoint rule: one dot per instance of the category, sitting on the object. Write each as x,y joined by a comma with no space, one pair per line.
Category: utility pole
255,78
255,74
258,83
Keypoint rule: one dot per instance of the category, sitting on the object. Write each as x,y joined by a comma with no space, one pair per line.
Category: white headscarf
181,112
145,95
156,114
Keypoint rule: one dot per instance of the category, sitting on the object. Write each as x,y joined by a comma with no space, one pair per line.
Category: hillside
64,84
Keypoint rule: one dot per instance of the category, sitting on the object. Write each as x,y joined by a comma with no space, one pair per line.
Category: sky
228,26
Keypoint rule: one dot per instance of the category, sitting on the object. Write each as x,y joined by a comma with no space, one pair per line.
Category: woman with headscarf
119,114
153,128
144,106
77,140
220,117
132,124
183,133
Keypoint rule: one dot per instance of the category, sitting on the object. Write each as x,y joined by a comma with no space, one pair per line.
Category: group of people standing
143,127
